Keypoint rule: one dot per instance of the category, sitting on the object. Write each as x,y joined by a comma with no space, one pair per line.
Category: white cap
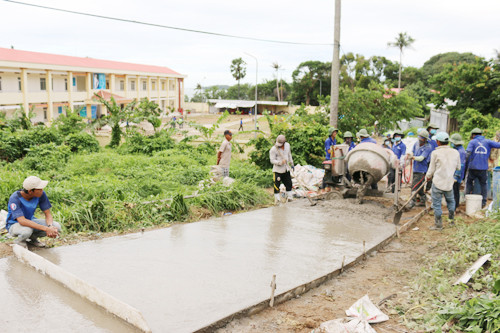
280,140
33,182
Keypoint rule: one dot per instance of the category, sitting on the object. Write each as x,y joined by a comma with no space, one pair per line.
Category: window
43,84
0,83
122,85
19,83
132,85
163,85
45,113
52,84
107,84
144,85
153,85
66,84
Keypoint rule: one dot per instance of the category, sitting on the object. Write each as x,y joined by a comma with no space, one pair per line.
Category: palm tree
402,41
277,67
239,71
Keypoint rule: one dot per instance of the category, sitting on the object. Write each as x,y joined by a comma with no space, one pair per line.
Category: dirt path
384,274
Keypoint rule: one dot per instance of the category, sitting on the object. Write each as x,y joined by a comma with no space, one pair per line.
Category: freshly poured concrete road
190,275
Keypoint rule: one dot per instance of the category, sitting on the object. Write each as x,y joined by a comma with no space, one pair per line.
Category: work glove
418,158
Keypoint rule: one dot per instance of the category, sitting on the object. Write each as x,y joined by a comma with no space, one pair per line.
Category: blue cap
442,137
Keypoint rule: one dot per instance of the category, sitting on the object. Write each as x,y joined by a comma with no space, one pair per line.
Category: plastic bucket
473,203
495,186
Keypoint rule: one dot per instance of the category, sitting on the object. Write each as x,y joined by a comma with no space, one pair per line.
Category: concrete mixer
367,164
352,174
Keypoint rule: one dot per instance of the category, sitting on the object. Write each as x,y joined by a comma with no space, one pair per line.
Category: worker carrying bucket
280,156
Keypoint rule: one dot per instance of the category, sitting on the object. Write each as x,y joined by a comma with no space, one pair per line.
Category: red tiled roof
107,96
62,60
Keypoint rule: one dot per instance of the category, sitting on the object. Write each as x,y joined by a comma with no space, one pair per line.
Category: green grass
109,191
433,300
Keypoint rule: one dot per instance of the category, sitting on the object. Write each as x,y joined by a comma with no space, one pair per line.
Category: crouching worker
282,161
444,166
20,218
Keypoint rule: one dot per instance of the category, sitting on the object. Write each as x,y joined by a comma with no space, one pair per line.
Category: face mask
393,140
421,141
433,131
398,138
388,143
348,140
452,145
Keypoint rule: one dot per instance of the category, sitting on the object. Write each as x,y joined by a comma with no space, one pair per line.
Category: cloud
367,26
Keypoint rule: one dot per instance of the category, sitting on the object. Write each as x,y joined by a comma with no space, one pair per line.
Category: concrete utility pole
256,83
334,93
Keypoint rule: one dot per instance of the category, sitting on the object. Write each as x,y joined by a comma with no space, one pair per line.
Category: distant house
245,107
49,82
441,116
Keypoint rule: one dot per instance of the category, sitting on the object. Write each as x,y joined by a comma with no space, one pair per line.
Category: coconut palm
403,40
277,67
239,71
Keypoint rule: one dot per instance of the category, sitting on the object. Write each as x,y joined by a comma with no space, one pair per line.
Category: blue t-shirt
352,146
479,149
433,143
424,151
328,143
365,140
461,152
399,149
18,206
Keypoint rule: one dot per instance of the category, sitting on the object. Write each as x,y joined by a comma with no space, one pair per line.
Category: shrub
47,156
15,145
82,141
69,123
138,143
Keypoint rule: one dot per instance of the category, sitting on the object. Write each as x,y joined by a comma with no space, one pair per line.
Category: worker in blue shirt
364,136
457,143
387,144
399,149
477,155
432,129
331,141
349,140
421,156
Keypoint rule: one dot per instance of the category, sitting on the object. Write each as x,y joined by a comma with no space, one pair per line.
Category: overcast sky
366,26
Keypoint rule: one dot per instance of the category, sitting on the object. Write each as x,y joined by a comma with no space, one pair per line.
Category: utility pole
256,85
334,93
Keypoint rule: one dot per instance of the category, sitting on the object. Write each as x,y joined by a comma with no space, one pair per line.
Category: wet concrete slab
32,302
188,276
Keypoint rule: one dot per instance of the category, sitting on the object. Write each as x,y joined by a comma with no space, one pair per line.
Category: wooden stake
273,288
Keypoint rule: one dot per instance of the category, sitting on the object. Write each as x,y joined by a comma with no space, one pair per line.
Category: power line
165,26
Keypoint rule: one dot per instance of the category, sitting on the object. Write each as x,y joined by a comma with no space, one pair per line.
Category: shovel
399,212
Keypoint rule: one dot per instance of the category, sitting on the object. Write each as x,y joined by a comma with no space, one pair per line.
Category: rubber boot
438,223
283,197
451,217
289,196
277,198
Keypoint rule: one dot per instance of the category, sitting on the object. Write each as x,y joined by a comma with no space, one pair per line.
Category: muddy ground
384,274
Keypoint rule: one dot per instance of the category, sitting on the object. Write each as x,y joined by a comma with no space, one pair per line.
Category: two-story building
46,83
